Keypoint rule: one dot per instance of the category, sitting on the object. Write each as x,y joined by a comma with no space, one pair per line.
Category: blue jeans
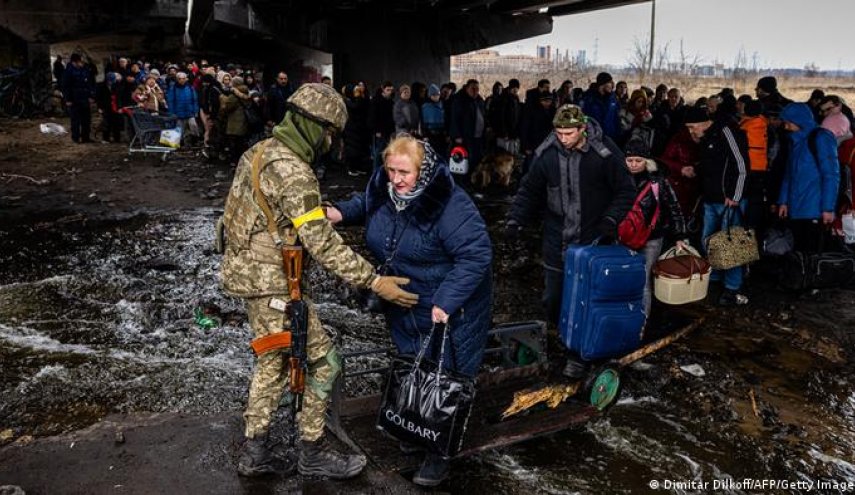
714,221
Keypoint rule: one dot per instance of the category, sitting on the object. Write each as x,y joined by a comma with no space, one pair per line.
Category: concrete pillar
39,69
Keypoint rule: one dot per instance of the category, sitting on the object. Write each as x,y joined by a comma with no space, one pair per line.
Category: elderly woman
424,227
149,96
406,113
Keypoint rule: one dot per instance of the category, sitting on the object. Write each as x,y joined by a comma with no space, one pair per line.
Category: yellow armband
314,214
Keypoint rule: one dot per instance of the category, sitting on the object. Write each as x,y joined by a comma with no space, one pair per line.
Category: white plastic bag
52,128
171,138
849,227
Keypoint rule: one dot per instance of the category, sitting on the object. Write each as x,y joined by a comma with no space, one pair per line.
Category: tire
603,387
13,105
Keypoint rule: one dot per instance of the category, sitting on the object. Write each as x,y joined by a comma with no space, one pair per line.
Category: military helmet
320,103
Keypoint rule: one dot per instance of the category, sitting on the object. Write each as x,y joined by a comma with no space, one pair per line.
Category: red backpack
633,231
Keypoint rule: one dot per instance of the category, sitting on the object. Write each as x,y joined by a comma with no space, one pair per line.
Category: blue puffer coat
809,188
445,251
182,101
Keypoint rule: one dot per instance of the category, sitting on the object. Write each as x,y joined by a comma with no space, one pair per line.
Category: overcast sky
783,33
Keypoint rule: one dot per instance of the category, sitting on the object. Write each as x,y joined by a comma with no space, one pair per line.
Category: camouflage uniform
252,269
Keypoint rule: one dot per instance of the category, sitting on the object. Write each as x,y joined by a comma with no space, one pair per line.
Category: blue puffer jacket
445,251
605,109
809,188
182,101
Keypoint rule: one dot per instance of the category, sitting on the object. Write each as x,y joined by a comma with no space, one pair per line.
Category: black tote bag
425,405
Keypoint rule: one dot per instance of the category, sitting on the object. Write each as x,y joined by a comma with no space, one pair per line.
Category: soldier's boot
256,459
319,458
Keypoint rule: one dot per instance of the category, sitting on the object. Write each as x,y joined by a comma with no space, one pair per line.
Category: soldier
285,190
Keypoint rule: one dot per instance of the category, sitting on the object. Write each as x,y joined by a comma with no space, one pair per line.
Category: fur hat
569,116
637,147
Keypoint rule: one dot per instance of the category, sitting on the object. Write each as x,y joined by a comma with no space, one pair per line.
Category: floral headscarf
426,173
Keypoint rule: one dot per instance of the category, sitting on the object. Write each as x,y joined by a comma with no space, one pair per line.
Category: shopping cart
147,127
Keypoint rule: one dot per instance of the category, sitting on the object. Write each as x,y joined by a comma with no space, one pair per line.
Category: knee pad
330,363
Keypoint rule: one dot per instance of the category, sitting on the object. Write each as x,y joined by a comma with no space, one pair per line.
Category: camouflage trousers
271,374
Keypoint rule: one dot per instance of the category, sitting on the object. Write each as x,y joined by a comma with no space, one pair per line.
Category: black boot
575,368
256,458
434,470
320,459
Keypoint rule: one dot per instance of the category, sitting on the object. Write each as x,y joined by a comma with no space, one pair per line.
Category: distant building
491,61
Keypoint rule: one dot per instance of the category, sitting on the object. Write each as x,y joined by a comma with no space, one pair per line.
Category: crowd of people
587,157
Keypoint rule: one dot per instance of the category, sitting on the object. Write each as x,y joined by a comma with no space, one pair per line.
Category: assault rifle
292,257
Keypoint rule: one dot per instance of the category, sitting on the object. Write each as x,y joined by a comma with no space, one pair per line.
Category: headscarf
426,173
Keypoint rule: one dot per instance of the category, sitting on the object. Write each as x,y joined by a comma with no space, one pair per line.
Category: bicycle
18,101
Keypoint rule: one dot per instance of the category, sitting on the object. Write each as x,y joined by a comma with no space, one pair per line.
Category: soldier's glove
607,230
389,289
513,230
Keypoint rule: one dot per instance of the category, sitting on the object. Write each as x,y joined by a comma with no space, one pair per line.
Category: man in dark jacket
381,120
723,169
535,126
78,89
276,98
469,122
532,96
58,69
767,92
507,125
601,104
579,186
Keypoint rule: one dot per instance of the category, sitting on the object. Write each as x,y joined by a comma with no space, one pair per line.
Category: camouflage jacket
252,264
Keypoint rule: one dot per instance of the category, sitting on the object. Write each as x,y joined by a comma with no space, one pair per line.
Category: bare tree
638,61
811,70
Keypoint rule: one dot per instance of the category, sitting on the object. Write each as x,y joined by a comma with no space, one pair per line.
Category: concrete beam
52,21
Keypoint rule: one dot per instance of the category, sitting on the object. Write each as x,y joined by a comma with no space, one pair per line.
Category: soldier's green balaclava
303,136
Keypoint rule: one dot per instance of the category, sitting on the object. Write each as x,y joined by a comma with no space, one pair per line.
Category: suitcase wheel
604,387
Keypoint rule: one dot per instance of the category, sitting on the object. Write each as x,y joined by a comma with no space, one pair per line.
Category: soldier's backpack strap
272,227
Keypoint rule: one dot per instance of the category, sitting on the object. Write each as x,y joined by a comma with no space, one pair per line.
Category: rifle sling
260,199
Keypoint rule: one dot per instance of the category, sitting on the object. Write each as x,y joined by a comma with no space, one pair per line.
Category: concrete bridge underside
370,40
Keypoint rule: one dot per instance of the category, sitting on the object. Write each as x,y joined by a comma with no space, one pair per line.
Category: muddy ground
107,385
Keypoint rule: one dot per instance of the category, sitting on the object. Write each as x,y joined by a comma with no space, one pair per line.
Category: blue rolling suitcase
602,312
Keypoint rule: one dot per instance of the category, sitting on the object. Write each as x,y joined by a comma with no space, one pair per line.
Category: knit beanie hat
569,116
768,84
514,83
